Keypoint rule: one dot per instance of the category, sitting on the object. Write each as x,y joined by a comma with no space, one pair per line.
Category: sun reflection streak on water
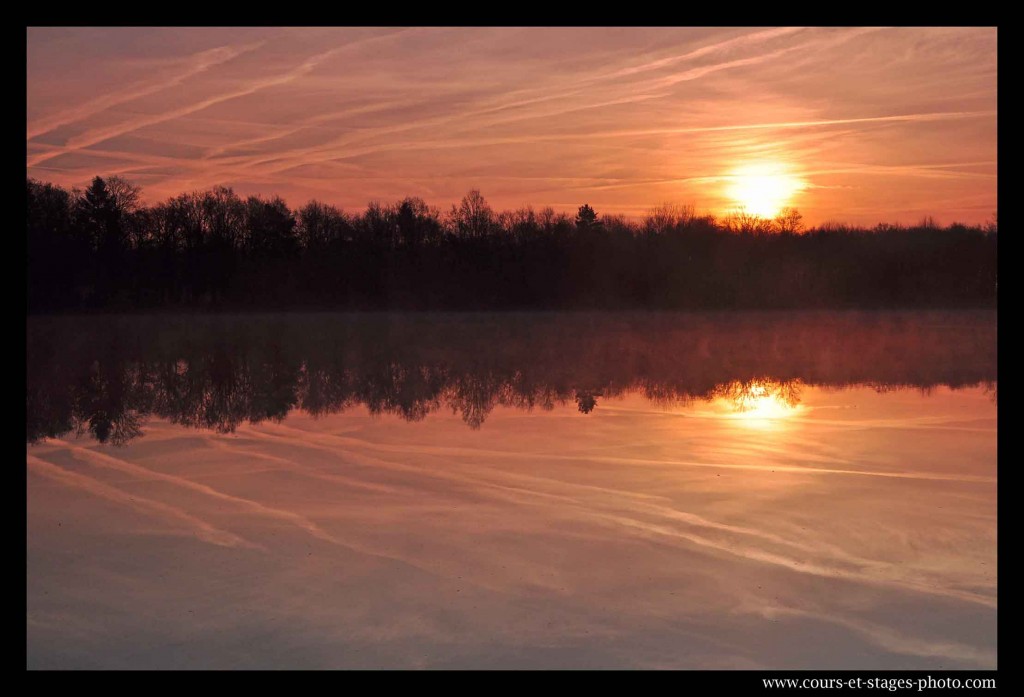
760,403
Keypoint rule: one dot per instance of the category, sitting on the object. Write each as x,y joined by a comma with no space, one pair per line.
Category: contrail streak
130,467
203,530
198,63
99,135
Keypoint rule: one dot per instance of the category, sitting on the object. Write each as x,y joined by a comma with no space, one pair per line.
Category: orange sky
868,124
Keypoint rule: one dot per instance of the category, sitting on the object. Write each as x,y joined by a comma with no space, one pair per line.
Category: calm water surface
812,490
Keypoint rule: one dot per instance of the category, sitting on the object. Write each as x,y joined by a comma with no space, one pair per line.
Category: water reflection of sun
760,403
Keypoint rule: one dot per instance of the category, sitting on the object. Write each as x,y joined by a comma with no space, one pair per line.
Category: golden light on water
763,189
761,403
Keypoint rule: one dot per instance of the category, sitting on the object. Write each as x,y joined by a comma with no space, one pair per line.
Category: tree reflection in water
105,375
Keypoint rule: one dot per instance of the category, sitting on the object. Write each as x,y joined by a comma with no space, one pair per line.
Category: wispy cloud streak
646,115
197,64
202,529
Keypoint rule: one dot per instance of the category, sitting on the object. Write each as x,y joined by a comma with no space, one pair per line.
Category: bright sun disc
762,190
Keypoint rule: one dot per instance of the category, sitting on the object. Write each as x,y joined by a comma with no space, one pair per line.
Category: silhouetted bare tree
473,217
789,220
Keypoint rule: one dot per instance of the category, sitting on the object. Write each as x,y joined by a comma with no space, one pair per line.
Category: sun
763,189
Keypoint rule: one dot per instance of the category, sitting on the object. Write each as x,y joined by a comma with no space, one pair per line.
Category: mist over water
105,375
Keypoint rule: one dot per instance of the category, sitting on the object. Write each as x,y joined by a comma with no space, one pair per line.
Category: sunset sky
858,125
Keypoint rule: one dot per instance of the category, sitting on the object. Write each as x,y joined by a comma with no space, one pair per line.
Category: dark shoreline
214,250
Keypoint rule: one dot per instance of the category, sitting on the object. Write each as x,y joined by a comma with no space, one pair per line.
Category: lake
616,490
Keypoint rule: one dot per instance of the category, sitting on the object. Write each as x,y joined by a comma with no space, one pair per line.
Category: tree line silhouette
105,375
102,249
